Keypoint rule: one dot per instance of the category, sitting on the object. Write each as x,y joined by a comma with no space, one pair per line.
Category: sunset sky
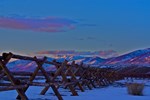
83,25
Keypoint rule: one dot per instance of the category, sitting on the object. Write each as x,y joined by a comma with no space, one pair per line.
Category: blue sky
38,25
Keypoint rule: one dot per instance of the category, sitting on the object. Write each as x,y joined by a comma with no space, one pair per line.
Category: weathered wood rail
68,76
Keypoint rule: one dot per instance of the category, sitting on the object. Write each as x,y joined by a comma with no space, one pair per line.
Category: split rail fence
68,76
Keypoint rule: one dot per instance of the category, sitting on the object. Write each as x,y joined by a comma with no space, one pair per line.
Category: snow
106,93
136,58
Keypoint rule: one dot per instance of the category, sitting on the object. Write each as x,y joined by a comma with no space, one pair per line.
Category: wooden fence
69,76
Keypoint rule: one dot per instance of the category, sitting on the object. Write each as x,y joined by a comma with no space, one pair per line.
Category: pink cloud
50,24
108,53
104,54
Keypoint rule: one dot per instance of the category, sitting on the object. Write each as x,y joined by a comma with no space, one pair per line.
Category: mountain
29,66
135,57
138,57
69,58
95,61
82,59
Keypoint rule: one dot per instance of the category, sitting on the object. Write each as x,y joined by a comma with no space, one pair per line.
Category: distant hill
135,57
138,57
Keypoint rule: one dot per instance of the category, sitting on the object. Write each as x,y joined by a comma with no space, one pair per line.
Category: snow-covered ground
107,93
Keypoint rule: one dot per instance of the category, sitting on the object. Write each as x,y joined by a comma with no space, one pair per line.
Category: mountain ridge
137,57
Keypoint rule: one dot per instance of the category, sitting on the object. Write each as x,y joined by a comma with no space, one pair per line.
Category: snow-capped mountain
138,57
28,66
135,57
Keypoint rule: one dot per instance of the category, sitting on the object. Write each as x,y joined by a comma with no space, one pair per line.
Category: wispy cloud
108,53
104,54
49,24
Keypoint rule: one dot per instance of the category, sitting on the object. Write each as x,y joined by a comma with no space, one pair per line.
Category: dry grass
135,88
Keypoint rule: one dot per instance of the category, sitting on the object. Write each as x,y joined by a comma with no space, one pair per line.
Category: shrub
135,88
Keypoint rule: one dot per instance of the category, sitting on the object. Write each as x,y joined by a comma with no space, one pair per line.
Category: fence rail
68,76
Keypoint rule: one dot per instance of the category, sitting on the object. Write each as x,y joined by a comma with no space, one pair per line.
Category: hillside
138,57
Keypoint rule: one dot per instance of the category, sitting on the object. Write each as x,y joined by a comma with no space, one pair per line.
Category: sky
83,25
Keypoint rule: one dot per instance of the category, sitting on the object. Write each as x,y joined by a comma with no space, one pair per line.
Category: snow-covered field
107,93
